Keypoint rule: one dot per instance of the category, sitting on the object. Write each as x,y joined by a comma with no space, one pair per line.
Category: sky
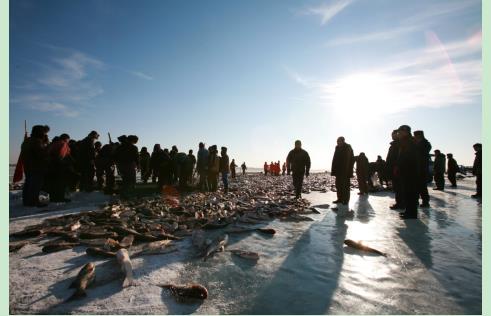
253,76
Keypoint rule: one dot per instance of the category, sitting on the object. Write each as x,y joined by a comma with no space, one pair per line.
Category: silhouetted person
408,169
439,171
298,163
99,171
202,167
452,169
106,161
391,160
213,168
224,168
74,175
266,168
192,161
477,169
155,161
244,168
283,169
173,152
144,164
182,169
232,168
342,168
35,158
126,157
59,168
164,169
381,168
372,169
424,148
86,160
362,173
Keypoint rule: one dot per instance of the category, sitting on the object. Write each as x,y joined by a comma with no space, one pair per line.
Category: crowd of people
64,164
406,168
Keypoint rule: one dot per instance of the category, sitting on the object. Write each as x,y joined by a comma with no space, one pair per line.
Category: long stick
110,141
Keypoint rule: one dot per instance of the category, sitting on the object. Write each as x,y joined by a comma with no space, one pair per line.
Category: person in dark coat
74,176
126,157
192,161
244,168
382,171
86,161
362,173
99,170
298,163
224,168
213,168
164,173
155,161
391,161
144,164
35,158
477,170
408,170
232,168
342,168
439,171
182,169
59,168
105,159
174,164
424,148
202,167
452,169
372,169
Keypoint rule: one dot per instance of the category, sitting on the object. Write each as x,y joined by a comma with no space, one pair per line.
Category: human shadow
364,210
309,275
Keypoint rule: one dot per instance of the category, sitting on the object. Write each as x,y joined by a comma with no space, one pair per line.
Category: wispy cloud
141,75
425,18
327,11
63,84
435,76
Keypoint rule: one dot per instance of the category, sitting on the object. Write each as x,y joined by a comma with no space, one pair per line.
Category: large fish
84,278
125,263
157,248
58,247
195,291
245,254
215,246
99,252
127,241
360,246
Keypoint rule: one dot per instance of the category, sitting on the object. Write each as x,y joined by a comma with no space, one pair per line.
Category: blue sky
251,75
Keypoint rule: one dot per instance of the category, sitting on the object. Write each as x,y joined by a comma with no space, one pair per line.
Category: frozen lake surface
433,265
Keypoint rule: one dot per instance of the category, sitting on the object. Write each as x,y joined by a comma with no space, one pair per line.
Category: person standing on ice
362,173
232,168
439,171
298,163
86,161
202,167
452,169
477,170
144,164
244,168
266,167
284,168
127,157
213,168
342,168
408,170
424,148
224,168
192,164
391,162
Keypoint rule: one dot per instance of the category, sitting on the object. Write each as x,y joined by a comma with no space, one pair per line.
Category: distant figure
86,161
192,162
284,168
155,161
182,169
452,169
144,164
59,153
164,169
74,177
477,169
266,168
224,168
202,167
408,170
362,173
392,171
382,171
439,171
105,159
298,163
213,168
99,171
278,168
271,168
244,168
424,148
174,164
232,168
342,168
35,158
126,157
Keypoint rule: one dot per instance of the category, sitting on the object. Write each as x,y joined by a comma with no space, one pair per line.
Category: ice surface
433,265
